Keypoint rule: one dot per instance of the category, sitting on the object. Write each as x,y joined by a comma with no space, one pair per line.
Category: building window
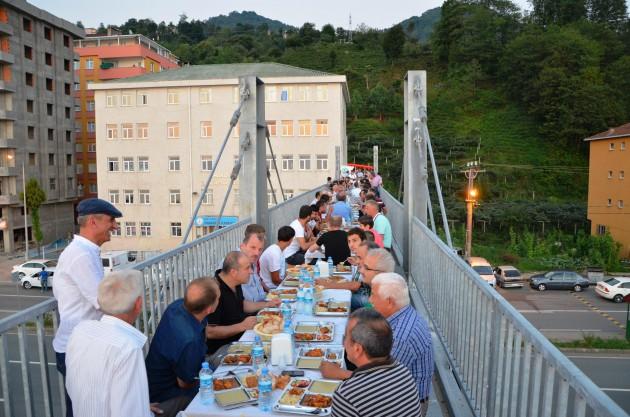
176,229
609,204
51,159
67,112
205,96
288,194
172,130
48,59
69,137
125,100
143,99
145,229
269,162
66,41
49,84
93,188
28,52
116,232
301,93
145,196
91,147
172,97
91,128
69,159
49,109
305,128
272,127
77,65
112,164
31,132
127,130
175,197
27,24
111,101
143,130
620,203
128,196
32,159
128,164
611,146
287,162
270,94
92,168
622,174
322,127
208,198
66,65
321,93
29,79
130,229
206,162
29,106
610,174
48,33
51,134
112,131
287,128
601,229
114,196
322,162
67,89
286,94
206,129
305,162
622,146
173,163
143,163
89,105
89,63
52,184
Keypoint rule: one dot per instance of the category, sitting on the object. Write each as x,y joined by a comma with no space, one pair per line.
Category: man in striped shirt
380,386
412,336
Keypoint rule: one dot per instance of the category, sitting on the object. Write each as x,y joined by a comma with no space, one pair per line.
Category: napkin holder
281,349
323,269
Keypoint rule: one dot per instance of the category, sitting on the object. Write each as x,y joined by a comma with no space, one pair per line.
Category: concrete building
608,190
158,136
36,119
103,58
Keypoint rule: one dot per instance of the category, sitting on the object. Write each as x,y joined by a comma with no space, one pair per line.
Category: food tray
331,308
290,281
297,394
229,392
239,351
310,357
269,311
283,294
314,331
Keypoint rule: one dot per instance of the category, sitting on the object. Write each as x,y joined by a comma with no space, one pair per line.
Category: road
14,298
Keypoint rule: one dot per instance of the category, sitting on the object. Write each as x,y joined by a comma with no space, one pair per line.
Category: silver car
508,277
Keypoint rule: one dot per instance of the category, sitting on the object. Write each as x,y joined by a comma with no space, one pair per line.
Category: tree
333,58
80,24
611,13
558,12
328,33
35,196
393,42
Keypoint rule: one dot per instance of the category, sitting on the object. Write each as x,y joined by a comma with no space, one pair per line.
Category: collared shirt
294,247
382,226
341,208
105,369
77,275
378,389
272,260
229,311
253,290
177,351
413,346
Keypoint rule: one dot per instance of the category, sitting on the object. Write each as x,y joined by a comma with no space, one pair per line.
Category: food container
283,294
314,331
269,311
305,396
290,281
311,356
331,308
229,392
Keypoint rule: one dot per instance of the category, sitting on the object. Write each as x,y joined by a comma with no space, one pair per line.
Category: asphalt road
14,298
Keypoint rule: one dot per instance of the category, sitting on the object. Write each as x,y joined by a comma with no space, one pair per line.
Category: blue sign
211,221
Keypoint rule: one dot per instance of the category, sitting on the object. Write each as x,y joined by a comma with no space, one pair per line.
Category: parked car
559,280
483,268
614,288
29,281
34,265
508,277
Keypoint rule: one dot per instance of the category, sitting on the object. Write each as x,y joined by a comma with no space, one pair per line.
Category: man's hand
353,260
249,323
274,302
332,370
156,409
323,282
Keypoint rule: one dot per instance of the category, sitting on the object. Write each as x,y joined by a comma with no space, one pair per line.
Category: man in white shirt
294,253
106,376
272,264
78,273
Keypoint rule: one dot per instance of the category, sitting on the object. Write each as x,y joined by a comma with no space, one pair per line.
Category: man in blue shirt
178,347
412,337
341,208
43,279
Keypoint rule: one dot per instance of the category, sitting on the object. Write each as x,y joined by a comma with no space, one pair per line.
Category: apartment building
608,188
36,119
103,58
158,136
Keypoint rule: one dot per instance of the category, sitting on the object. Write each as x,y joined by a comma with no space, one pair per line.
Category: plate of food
310,357
314,331
306,396
268,326
283,294
331,308
229,392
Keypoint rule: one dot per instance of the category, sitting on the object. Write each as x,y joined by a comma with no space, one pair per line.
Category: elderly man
381,223
341,208
252,247
78,273
335,242
379,386
294,253
412,336
230,320
178,346
272,265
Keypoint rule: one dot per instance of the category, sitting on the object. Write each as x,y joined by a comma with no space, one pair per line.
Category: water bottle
331,265
286,316
205,384
258,354
264,391
316,273
308,301
299,305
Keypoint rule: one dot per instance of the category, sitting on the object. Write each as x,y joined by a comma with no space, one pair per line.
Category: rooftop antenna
350,28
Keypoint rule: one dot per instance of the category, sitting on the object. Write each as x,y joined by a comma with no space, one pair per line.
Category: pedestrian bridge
490,361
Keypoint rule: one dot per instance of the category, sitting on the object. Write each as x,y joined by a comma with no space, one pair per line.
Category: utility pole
471,172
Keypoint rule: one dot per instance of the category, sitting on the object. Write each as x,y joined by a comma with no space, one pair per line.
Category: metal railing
397,215
284,213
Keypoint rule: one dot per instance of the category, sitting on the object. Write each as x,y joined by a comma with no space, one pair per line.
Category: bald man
179,346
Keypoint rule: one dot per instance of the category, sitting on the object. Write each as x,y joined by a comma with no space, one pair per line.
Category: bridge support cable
245,143
273,192
244,96
275,167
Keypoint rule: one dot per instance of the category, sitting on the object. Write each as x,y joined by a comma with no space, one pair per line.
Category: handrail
27,314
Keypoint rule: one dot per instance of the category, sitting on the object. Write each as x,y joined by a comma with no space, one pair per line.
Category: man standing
252,247
413,346
104,358
294,253
178,347
78,273
43,279
381,223
368,343
272,265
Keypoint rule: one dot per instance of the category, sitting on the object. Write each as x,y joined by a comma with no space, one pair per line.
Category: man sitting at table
341,208
294,253
230,319
178,346
379,386
252,246
335,242
272,265
413,346
367,224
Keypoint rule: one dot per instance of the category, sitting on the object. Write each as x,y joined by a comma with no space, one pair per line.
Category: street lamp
471,199
10,157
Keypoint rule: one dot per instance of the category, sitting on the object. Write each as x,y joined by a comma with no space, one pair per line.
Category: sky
376,14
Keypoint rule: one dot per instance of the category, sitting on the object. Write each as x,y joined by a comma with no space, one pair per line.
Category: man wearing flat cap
78,273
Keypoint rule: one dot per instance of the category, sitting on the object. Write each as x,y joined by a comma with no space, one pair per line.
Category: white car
30,281
483,268
614,288
34,265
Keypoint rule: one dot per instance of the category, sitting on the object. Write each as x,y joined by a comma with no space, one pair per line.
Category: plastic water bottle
308,301
286,311
316,273
264,391
299,305
205,384
258,354
331,265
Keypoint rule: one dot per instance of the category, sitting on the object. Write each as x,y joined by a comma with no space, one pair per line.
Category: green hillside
421,27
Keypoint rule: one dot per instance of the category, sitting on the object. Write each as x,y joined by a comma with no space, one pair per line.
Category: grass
592,342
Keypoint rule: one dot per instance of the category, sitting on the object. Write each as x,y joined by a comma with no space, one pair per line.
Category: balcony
7,115
8,172
7,143
7,86
10,199
6,58
6,29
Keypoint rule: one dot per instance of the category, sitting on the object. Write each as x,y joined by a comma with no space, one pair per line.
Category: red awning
361,166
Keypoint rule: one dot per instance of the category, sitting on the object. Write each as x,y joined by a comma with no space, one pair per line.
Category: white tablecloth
197,409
